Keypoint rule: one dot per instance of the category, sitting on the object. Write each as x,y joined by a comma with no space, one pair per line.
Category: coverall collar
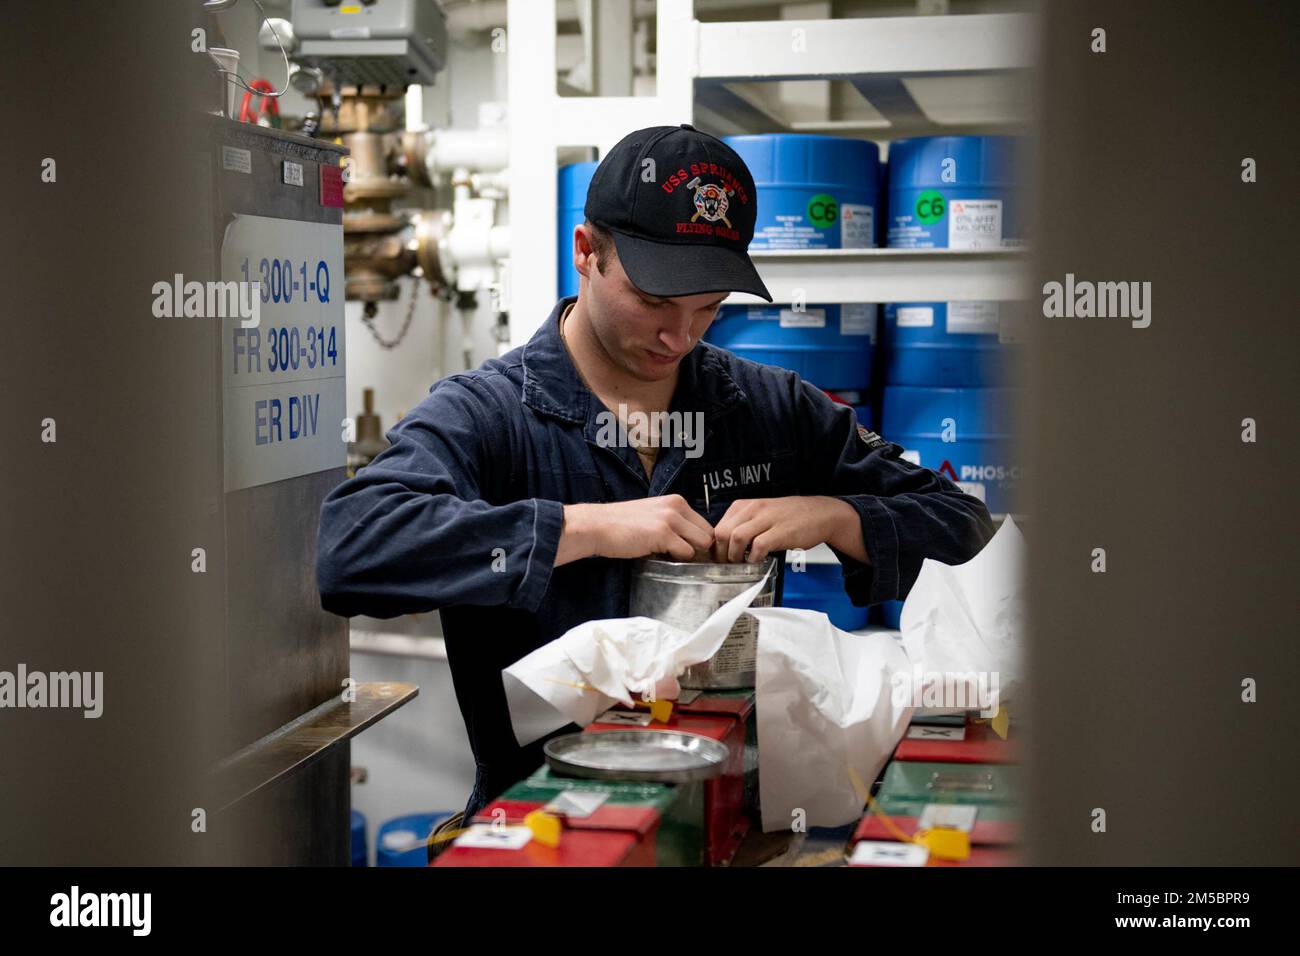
552,385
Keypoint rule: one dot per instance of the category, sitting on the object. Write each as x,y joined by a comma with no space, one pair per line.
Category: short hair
602,244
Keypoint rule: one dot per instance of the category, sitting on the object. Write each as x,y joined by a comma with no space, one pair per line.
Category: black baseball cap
681,206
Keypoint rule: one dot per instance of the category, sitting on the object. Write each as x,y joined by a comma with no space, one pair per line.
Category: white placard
806,319
914,316
292,173
926,732
624,717
954,816
857,226
887,853
489,836
975,224
576,803
858,318
237,160
283,380
973,318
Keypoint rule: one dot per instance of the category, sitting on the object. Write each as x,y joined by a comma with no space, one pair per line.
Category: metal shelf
306,739
704,68
737,63
889,275
870,46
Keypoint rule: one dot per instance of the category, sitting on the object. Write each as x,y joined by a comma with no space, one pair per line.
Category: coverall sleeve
412,532
908,513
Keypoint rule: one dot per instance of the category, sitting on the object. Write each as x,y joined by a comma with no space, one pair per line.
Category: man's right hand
633,529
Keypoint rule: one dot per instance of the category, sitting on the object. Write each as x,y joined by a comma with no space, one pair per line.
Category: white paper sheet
964,625
824,705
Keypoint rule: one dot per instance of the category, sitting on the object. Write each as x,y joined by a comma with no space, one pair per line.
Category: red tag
331,186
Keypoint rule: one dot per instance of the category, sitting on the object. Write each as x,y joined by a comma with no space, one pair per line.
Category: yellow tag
545,827
350,9
945,843
1001,722
660,710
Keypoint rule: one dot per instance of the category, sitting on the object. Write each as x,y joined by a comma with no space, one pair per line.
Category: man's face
644,335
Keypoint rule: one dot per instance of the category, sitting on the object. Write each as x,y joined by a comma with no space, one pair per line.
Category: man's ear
584,256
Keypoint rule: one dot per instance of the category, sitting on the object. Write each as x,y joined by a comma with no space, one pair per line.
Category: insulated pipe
474,150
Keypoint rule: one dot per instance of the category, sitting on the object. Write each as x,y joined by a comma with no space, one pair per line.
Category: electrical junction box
371,42
275,373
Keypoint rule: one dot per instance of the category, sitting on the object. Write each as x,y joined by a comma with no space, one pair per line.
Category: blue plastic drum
814,192
949,344
963,433
359,855
820,587
956,192
403,841
573,182
831,346
889,613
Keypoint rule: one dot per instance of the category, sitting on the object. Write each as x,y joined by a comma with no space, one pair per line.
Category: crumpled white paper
963,626
827,700
593,666
824,705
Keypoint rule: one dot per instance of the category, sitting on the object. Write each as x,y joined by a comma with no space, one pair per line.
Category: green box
679,840
910,785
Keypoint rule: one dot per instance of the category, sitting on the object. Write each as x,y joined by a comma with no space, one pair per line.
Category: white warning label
975,224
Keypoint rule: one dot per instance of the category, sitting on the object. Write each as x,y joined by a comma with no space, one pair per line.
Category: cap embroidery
710,201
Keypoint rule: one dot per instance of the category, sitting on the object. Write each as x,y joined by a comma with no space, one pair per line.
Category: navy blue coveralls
463,512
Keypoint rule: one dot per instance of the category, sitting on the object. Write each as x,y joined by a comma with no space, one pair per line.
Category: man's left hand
763,525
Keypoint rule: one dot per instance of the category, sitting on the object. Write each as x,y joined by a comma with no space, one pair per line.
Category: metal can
685,593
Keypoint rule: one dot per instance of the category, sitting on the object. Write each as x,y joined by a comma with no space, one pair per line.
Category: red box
984,856
613,835
981,745
979,856
725,820
738,706
983,833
